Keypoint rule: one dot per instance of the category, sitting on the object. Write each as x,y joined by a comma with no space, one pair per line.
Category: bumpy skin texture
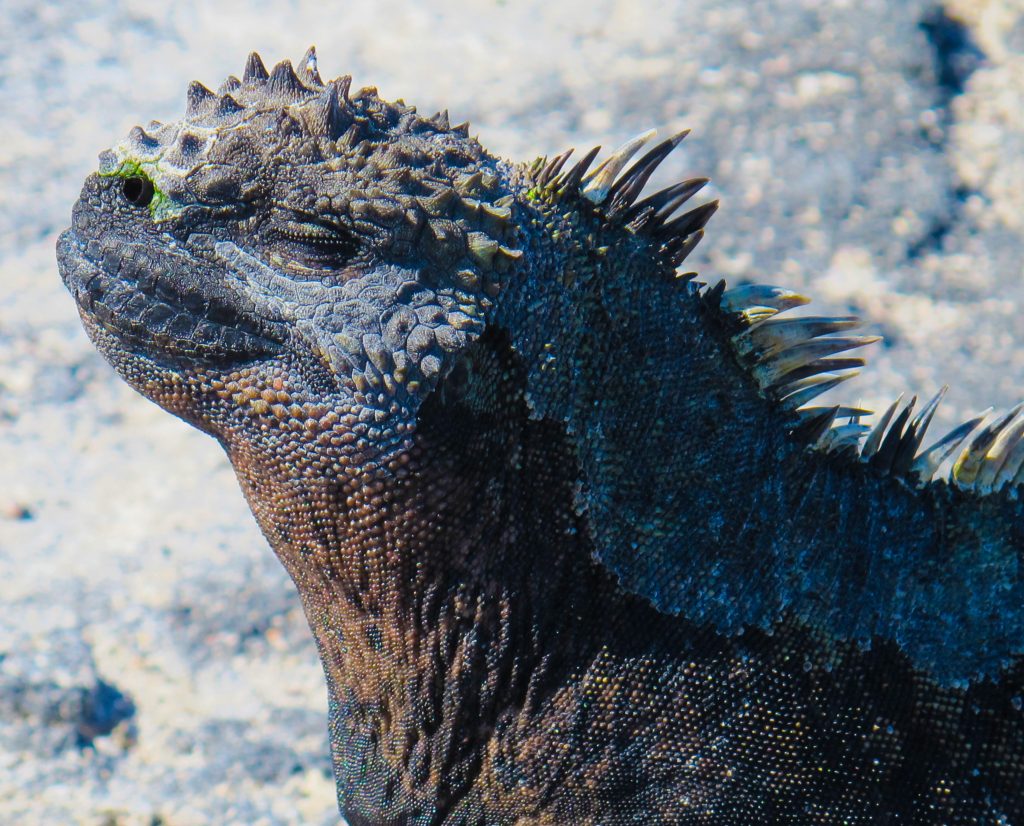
562,543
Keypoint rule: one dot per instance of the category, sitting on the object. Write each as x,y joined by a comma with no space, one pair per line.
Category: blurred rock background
155,667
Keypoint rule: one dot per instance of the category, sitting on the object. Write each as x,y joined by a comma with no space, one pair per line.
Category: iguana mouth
133,295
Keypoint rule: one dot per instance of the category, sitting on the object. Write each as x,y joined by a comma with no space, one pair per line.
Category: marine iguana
573,540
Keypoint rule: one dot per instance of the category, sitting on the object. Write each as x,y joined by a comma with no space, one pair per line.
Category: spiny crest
192,158
792,361
325,110
615,193
282,86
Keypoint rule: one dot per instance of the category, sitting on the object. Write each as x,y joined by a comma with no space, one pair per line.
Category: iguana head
289,252
290,260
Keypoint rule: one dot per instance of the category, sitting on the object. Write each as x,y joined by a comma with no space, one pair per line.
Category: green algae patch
161,206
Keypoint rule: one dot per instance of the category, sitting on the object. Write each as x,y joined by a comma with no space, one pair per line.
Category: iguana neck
440,638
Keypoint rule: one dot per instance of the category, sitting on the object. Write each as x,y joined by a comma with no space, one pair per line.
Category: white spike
991,476
802,391
1012,473
600,180
770,370
776,335
742,299
968,467
844,435
928,462
755,315
308,70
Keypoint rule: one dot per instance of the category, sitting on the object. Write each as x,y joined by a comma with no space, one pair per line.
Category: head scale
287,218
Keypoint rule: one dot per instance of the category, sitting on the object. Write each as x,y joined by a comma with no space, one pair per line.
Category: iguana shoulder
717,486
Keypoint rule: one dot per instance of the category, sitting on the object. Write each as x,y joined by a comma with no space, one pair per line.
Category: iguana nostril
137,191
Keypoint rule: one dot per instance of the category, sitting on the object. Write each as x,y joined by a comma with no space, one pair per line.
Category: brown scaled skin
482,668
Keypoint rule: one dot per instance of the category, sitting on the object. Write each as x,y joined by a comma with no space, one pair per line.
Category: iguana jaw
163,301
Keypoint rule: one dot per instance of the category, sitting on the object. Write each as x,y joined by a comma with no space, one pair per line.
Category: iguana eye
315,245
137,190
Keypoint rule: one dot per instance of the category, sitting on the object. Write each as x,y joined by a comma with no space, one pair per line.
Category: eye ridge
137,190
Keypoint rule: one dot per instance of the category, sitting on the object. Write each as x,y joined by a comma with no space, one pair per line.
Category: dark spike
988,434
685,247
142,138
575,175
553,167
905,450
254,71
874,439
353,134
628,187
883,459
928,462
309,73
227,105
197,99
283,81
329,118
924,418
668,200
713,295
672,246
622,197
976,467
638,221
771,337
461,129
688,222
561,161
344,84
847,452
540,168
815,426
911,442
440,120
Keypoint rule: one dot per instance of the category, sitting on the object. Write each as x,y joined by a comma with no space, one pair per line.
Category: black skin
449,387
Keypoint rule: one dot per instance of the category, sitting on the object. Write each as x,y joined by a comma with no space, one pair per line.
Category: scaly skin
551,514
